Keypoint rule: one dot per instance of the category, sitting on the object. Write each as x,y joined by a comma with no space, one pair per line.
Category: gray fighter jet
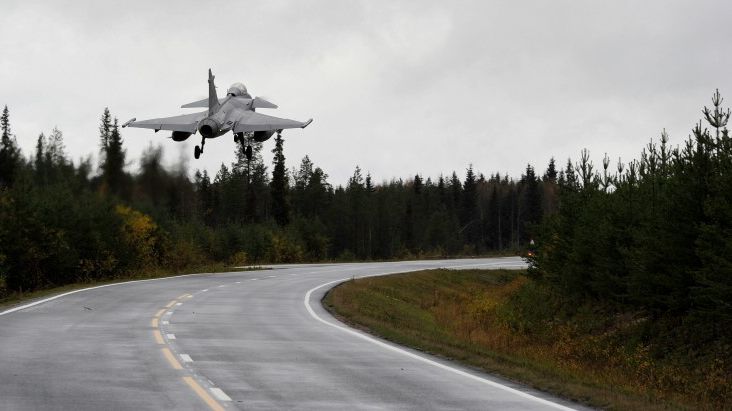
235,113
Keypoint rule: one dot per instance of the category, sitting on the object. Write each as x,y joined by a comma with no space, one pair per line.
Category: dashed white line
203,291
186,358
222,286
238,282
178,304
253,279
271,276
170,336
220,395
165,322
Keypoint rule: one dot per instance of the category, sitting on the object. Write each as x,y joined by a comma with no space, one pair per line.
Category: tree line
63,221
651,236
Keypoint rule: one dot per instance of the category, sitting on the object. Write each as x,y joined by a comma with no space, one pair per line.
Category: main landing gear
239,138
197,151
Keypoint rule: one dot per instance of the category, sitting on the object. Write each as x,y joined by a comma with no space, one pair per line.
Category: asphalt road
246,340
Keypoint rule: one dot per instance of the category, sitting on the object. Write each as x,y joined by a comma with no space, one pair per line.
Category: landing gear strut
241,139
197,151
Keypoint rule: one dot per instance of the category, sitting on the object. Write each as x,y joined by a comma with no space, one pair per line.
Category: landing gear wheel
248,153
197,152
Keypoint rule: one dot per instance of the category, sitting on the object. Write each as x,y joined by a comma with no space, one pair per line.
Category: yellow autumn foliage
139,233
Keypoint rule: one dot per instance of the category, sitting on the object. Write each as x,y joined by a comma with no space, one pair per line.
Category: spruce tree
469,208
39,161
105,130
278,185
417,184
112,154
114,159
9,152
551,172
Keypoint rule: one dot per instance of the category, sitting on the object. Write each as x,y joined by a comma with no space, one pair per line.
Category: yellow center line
195,386
215,406
171,359
158,336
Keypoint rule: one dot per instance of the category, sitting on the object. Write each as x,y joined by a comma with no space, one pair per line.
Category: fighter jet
235,113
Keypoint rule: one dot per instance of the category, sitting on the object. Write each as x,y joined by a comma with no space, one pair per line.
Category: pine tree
278,185
56,150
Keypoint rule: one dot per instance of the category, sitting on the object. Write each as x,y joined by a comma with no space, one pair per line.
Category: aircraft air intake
180,135
261,136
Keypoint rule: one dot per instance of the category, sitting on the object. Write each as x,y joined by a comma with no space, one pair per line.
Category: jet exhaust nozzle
208,128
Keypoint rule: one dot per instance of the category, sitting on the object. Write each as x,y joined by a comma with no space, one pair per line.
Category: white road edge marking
220,395
55,297
165,322
420,358
170,336
186,358
178,304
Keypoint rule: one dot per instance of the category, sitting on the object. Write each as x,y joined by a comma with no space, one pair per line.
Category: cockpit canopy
237,90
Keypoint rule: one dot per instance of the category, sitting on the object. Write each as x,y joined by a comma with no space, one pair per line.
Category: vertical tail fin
213,99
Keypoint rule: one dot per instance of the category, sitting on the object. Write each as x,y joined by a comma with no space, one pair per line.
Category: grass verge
499,321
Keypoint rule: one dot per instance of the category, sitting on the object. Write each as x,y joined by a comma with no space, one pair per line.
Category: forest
63,222
655,234
651,234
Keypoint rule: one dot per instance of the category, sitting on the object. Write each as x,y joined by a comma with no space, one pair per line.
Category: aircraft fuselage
223,120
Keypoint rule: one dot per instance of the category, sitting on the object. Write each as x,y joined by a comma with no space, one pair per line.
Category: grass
13,299
501,322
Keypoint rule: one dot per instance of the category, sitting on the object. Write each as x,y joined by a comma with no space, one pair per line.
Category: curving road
245,340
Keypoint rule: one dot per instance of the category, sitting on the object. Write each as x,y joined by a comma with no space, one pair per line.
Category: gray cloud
397,87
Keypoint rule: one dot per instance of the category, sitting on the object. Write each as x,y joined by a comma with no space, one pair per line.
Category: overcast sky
396,87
